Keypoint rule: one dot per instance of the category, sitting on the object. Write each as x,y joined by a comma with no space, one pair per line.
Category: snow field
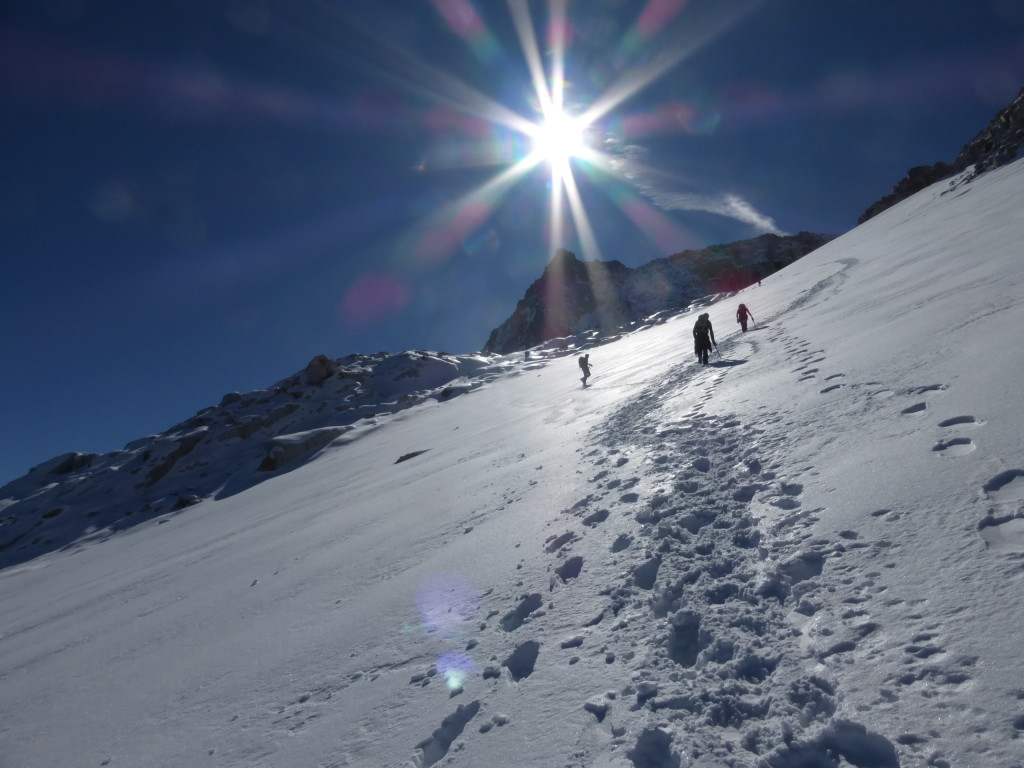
809,553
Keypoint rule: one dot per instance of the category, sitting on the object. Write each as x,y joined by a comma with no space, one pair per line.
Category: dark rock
574,296
1001,142
229,398
319,369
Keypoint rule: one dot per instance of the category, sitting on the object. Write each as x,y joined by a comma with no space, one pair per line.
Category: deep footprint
522,660
1005,487
960,420
514,619
436,747
958,446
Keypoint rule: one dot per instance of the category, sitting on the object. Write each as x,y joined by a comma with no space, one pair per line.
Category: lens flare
455,667
375,297
464,21
446,602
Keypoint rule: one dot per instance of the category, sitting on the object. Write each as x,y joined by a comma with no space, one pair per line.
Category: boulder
320,369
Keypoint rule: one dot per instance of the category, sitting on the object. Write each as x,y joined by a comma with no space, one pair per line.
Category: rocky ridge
223,449
573,296
1001,142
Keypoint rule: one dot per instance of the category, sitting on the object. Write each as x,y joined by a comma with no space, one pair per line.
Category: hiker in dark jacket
703,338
585,367
742,314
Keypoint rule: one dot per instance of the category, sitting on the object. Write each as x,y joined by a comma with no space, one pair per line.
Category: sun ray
523,22
556,225
412,74
651,221
580,220
558,28
450,227
702,32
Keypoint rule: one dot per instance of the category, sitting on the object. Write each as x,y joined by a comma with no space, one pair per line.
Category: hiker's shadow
726,363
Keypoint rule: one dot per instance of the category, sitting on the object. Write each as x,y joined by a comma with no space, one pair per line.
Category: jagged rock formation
569,296
1001,142
223,449
572,295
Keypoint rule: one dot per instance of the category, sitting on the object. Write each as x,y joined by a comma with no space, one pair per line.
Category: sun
558,138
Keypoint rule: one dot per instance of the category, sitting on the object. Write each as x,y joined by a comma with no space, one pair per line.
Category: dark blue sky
198,197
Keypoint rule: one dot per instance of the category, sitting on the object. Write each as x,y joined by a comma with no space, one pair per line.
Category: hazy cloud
626,162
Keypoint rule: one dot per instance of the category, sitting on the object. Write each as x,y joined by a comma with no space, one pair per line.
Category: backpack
583,363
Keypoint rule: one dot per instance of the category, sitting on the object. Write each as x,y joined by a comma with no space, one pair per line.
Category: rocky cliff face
573,296
998,144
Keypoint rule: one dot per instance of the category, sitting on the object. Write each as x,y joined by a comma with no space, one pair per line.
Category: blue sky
198,200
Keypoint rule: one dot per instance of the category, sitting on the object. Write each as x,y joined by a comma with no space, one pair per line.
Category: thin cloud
625,160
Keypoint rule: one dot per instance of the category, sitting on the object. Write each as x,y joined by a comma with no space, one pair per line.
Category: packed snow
808,553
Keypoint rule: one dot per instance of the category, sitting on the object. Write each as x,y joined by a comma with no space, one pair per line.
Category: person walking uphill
703,338
585,367
742,314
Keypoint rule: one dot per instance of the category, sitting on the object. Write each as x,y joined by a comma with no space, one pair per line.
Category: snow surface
810,553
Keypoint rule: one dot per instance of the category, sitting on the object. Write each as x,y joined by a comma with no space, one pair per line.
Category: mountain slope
807,554
223,449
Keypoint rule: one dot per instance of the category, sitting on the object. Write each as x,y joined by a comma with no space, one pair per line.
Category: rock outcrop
573,296
1001,142
570,296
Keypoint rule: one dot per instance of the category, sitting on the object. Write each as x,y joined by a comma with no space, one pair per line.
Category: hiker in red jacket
742,314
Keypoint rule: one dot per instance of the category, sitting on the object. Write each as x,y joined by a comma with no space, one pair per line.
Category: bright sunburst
567,131
558,138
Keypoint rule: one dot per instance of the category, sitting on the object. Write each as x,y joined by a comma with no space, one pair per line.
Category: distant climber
585,367
703,338
742,315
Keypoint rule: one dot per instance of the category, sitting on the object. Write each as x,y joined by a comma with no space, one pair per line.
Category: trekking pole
718,351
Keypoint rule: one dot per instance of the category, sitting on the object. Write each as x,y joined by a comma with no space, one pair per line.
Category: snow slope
810,553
